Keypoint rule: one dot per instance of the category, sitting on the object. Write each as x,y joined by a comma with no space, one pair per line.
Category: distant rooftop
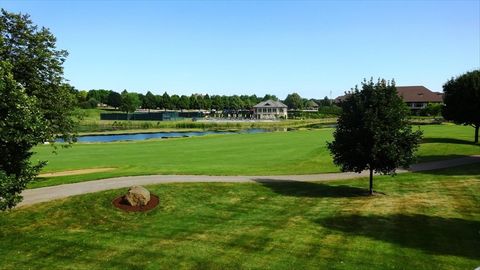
417,93
270,103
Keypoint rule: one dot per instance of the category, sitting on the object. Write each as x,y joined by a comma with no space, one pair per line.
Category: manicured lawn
424,221
299,152
447,141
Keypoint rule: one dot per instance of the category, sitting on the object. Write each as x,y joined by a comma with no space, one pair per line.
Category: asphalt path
38,195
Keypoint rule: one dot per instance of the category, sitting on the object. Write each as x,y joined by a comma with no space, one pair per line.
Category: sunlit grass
423,221
297,152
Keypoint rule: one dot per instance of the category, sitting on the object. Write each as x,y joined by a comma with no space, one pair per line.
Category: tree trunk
371,181
476,133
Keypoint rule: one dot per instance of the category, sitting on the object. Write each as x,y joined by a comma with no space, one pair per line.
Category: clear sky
315,48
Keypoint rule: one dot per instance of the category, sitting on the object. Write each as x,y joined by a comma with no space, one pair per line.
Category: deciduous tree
372,131
130,102
36,105
462,100
294,101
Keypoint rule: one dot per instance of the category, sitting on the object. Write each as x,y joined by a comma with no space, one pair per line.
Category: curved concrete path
37,195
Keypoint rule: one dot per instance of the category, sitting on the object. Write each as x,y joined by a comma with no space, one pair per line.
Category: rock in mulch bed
123,204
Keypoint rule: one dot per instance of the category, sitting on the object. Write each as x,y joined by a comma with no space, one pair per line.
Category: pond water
157,135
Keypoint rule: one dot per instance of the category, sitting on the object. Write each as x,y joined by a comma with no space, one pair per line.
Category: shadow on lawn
435,235
468,169
448,140
306,189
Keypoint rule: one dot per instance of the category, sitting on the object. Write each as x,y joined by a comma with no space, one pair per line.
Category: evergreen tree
150,102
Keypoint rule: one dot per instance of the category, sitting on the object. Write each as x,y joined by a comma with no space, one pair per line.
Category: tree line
130,101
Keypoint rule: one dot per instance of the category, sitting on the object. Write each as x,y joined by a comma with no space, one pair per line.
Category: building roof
418,94
411,94
270,104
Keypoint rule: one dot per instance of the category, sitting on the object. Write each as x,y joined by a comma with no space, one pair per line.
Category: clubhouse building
270,109
416,97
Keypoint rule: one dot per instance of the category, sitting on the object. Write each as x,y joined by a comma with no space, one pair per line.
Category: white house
270,109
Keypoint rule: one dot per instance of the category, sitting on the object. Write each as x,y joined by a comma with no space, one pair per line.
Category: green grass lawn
447,141
298,152
427,220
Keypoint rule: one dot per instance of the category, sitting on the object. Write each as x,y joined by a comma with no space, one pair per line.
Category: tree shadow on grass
314,190
448,140
466,169
434,235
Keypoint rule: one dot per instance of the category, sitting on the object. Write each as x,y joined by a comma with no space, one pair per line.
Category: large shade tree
130,102
372,132
294,101
462,100
36,105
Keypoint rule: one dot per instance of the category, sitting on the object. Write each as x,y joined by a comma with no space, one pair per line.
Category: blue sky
314,48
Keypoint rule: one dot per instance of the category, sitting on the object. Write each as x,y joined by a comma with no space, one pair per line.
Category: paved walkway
37,195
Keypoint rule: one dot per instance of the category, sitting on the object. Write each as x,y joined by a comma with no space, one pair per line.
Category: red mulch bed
121,203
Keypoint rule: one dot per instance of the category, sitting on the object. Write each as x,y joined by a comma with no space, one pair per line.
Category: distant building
416,97
270,109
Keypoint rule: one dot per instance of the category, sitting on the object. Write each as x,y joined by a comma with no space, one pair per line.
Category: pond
159,135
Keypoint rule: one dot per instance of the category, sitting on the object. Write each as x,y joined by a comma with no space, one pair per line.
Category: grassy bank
424,221
297,152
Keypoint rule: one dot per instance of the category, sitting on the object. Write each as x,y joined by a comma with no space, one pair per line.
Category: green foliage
165,102
462,100
183,103
37,66
332,110
150,101
432,109
325,102
130,102
36,105
199,102
21,127
268,96
373,131
89,104
114,99
294,101
101,95
82,96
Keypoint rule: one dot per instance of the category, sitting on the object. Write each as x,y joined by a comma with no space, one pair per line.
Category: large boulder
137,196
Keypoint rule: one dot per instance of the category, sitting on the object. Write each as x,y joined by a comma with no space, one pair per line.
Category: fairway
423,221
276,153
